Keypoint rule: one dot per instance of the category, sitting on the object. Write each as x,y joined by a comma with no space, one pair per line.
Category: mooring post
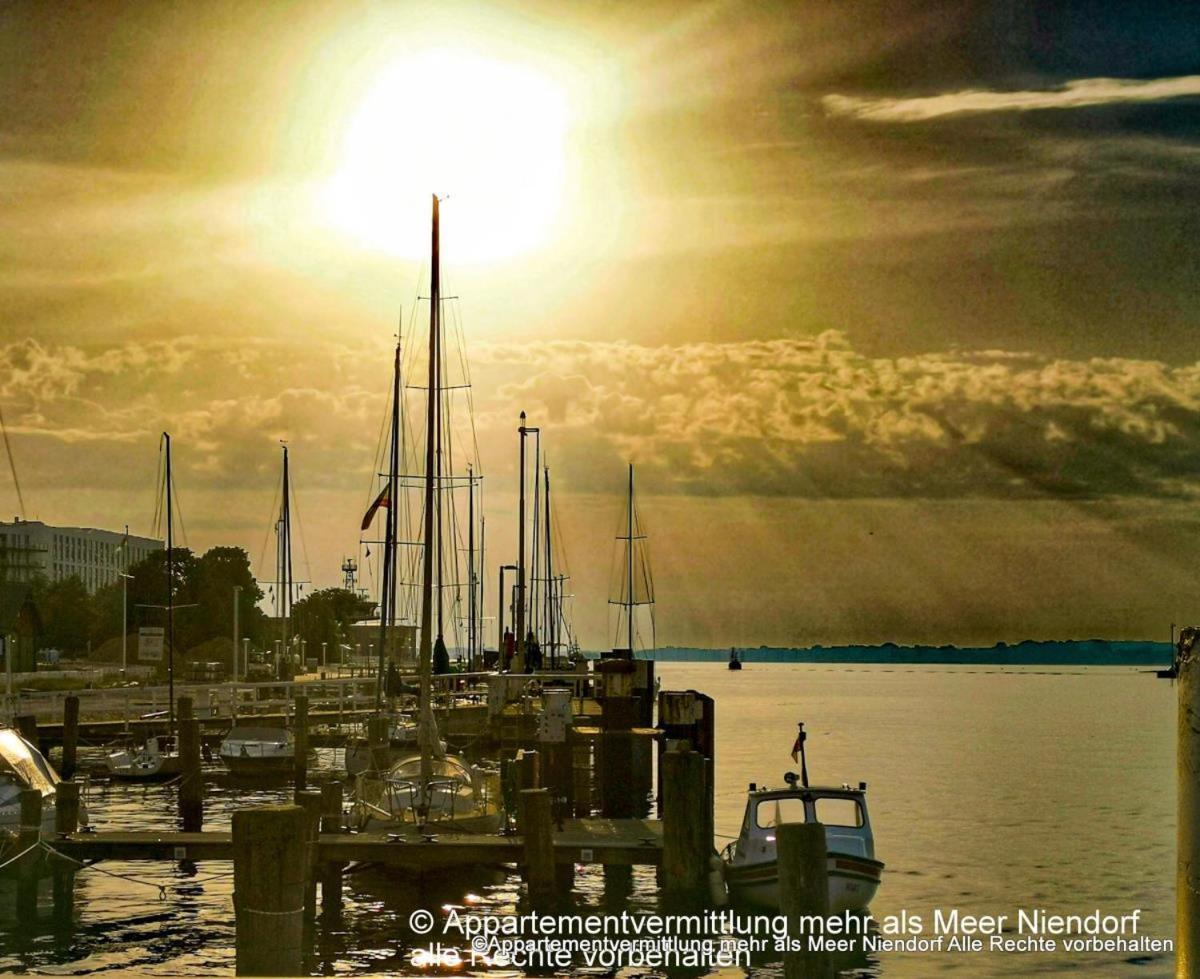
378,738
803,894
616,784
331,873
70,736
300,730
581,774
26,725
685,849
28,835
537,832
313,805
66,821
1187,823
191,784
184,708
269,877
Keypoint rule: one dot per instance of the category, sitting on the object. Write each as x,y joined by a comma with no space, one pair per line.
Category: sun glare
487,135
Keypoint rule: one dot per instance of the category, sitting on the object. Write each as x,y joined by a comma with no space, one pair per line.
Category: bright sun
487,135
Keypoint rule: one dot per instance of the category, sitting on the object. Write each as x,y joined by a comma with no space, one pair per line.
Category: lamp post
237,591
125,579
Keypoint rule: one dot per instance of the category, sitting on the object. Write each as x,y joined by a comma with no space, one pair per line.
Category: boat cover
25,762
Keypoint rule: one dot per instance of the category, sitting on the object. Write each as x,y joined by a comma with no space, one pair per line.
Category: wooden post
1187,874
269,877
301,732
538,836
331,873
803,891
191,785
528,776
312,804
66,821
26,725
581,775
70,736
616,785
185,711
379,740
28,835
685,849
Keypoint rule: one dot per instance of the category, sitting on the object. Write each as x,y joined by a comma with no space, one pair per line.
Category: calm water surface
989,791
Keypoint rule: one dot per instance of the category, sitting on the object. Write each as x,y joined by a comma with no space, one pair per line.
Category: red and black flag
383,499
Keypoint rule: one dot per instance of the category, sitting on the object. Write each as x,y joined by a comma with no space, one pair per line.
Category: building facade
30,549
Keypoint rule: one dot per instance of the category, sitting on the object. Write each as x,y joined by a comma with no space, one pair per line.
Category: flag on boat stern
796,747
383,499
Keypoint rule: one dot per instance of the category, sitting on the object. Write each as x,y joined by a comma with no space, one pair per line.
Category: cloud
1073,95
790,417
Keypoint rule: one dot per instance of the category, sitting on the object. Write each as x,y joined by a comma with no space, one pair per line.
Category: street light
237,590
125,579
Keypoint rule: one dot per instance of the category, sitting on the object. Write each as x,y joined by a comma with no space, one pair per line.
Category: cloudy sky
894,307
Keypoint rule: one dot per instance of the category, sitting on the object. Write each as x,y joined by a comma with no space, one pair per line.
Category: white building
29,548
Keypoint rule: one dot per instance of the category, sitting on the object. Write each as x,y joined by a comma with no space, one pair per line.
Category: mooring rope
161,888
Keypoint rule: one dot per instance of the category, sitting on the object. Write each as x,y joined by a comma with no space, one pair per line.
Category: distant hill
1085,652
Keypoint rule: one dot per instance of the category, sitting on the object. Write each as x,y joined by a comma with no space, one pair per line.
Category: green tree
325,616
67,615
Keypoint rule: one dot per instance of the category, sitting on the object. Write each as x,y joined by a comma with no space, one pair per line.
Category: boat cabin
841,810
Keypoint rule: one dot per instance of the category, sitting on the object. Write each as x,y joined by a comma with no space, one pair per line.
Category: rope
271,914
161,888
12,860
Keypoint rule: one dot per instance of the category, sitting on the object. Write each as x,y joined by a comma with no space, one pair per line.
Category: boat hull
161,769
853,881
258,764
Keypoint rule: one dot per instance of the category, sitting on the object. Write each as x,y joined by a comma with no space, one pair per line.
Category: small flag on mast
383,499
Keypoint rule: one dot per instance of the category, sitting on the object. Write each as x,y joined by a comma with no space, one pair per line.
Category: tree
325,616
66,611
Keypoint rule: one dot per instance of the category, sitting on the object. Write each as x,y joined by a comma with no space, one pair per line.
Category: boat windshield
17,757
441,768
827,810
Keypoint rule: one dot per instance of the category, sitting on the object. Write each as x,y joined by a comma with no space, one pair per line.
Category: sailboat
157,758
429,790
636,584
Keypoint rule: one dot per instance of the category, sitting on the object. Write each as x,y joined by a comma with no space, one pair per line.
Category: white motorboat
750,862
258,751
155,760
23,767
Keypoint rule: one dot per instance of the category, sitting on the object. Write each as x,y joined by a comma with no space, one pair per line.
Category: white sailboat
157,758
428,790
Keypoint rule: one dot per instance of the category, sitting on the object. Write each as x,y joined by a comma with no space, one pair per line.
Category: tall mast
520,616
470,569
430,462
170,595
286,520
629,623
387,598
483,571
549,637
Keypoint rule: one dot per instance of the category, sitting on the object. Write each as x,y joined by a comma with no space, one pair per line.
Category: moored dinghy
751,864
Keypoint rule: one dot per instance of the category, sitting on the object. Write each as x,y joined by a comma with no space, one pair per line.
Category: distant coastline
1086,652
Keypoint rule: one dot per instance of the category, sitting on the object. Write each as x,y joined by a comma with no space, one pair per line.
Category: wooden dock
621,842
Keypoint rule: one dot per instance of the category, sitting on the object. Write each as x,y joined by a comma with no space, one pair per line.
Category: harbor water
990,791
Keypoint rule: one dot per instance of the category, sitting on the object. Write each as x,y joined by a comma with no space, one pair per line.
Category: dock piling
28,835
313,805
70,736
803,892
1187,879
66,821
191,785
301,735
685,848
269,878
331,871
537,832
26,725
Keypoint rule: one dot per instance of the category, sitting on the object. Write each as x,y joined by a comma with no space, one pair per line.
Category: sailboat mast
470,569
170,594
520,616
629,622
387,597
430,462
549,636
286,519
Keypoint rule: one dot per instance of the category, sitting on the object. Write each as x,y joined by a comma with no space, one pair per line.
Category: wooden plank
146,846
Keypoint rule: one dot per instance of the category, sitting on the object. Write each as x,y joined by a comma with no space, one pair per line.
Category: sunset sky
894,306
